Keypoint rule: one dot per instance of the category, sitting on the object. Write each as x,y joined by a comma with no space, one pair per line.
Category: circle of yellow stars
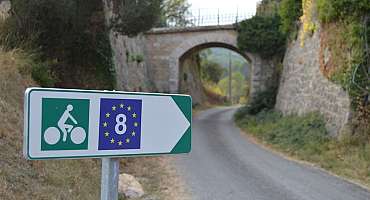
105,124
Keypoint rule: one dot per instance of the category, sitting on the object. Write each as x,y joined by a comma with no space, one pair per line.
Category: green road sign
61,123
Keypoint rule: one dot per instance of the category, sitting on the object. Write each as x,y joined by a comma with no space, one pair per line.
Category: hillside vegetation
22,179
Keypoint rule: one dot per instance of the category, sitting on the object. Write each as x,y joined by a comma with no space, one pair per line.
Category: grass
157,176
59,179
305,138
22,179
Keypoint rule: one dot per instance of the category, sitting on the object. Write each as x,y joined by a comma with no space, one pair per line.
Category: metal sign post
109,179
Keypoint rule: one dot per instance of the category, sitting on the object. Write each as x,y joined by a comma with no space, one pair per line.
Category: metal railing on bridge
210,17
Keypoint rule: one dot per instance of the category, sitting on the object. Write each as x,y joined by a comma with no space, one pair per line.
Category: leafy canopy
261,35
211,71
133,17
173,13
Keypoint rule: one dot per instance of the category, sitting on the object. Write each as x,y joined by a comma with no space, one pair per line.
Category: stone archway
201,42
164,48
189,71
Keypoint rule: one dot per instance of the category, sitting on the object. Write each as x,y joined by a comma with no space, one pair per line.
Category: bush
43,75
261,35
262,101
289,12
297,134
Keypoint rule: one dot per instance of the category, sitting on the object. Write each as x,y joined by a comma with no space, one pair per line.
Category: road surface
224,165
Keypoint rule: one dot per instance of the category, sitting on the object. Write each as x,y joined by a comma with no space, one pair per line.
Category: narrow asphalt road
224,165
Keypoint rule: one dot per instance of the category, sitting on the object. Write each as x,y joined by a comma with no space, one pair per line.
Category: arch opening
204,73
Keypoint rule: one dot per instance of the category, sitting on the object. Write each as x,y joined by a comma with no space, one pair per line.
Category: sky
248,6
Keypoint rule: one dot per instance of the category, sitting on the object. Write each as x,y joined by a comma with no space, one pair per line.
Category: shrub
43,75
298,134
262,101
261,35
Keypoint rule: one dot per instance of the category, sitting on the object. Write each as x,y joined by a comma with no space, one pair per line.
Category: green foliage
173,13
261,35
289,12
299,134
239,86
330,10
137,58
306,138
264,100
134,17
350,48
70,32
211,71
42,74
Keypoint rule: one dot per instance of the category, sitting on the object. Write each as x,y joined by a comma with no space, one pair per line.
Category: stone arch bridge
165,47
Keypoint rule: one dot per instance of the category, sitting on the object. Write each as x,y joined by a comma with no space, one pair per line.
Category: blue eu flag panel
120,124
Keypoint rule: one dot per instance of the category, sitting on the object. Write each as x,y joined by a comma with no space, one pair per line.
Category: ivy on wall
346,35
261,35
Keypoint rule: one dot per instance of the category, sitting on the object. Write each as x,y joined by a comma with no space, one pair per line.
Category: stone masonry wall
129,58
190,82
304,89
131,72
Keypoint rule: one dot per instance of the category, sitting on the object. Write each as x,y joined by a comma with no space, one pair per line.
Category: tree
211,71
238,86
68,36
173,13
133,17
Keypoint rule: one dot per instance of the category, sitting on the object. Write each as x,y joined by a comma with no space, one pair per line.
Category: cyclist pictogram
65,124
77,134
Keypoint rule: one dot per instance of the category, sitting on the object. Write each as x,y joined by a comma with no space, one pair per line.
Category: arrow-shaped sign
64,123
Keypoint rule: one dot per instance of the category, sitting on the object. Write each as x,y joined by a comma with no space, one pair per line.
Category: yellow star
106,134
136,124
112,141
133,133
129,108
105,124
121,105
127,140
107,115
119,143
134,115
114,108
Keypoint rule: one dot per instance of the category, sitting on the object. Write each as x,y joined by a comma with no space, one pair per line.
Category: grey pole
109,179
230,79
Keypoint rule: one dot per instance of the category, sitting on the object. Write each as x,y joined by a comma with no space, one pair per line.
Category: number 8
120,119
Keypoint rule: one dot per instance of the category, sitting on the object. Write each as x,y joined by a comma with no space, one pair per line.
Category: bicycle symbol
52,135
